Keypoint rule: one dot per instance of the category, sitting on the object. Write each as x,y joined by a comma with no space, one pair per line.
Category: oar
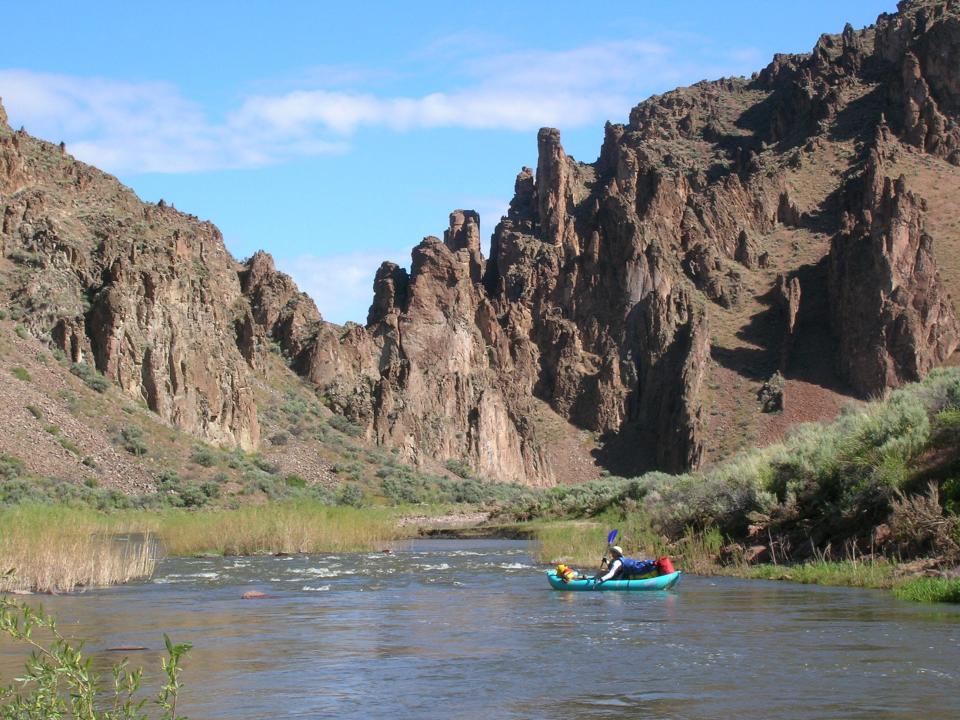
610,538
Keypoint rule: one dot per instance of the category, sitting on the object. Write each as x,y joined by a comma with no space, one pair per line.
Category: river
470,629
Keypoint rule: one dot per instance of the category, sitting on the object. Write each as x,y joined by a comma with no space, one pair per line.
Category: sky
338,135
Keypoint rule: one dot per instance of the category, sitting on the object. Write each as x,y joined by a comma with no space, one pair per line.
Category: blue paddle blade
611,536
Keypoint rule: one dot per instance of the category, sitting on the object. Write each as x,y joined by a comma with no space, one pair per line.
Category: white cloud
129,127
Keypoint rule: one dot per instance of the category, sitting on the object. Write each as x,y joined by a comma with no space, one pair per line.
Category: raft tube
661,582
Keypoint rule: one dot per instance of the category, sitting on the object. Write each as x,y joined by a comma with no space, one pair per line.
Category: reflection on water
468,629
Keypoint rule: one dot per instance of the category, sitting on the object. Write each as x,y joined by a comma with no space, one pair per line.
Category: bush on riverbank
844,573
824,484
59,680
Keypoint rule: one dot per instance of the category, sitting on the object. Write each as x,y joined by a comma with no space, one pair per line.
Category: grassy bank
58,549
581,543
301,527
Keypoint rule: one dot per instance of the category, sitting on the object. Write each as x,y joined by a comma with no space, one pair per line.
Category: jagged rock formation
626,294
889,307
142,292
597,294
789,294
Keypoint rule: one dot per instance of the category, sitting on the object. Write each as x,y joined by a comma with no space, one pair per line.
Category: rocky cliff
725,232
141,292
606,280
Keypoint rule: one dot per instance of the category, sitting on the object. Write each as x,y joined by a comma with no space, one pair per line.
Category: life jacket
635,568
565,573
664,566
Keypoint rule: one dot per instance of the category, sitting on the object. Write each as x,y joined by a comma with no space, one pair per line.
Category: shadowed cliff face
719,230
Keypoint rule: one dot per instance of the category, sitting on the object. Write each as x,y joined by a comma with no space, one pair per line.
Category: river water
470,629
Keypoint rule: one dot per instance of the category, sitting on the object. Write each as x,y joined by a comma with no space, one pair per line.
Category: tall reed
57,549
289,527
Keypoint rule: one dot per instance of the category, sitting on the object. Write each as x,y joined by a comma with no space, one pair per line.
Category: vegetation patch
93,379
929,589
57,549
20,373
59,680
339,422
131,439
204,456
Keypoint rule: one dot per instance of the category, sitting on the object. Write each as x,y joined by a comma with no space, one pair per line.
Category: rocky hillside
793,230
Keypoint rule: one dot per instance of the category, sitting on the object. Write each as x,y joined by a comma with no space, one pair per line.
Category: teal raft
661,582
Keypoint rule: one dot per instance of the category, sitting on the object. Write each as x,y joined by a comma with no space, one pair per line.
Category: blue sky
336,136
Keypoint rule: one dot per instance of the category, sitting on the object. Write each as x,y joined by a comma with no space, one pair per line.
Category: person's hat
616,550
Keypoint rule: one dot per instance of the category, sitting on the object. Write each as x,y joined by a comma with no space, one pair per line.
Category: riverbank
53,548
582,543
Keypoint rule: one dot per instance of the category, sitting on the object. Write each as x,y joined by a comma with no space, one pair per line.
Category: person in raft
624,568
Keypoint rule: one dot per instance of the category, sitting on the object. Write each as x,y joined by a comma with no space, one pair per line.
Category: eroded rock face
144,293
603,284
890,311
922,42
788,295
432,373
596,295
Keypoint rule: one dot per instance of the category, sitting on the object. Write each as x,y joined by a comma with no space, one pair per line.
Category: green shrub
279,438
203,456
60,680
25,257
350,494
211,489
20,373
951,496
35,411
21,332
132,441
91,482
10,467
192,495
403,490
69,446
58,354
459,467
267,466
295,481
339,422
93,379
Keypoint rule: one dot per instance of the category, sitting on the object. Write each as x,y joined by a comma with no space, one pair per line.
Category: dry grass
58,549
918,521
290,527
54,549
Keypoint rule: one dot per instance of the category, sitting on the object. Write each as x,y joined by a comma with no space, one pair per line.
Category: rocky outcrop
922,44
142,292
889,309
604,285
278,313
788,296
433,373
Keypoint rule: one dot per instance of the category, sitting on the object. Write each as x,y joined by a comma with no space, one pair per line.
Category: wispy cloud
141,127
130,127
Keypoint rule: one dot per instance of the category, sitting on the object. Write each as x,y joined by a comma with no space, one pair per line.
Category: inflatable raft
661,582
